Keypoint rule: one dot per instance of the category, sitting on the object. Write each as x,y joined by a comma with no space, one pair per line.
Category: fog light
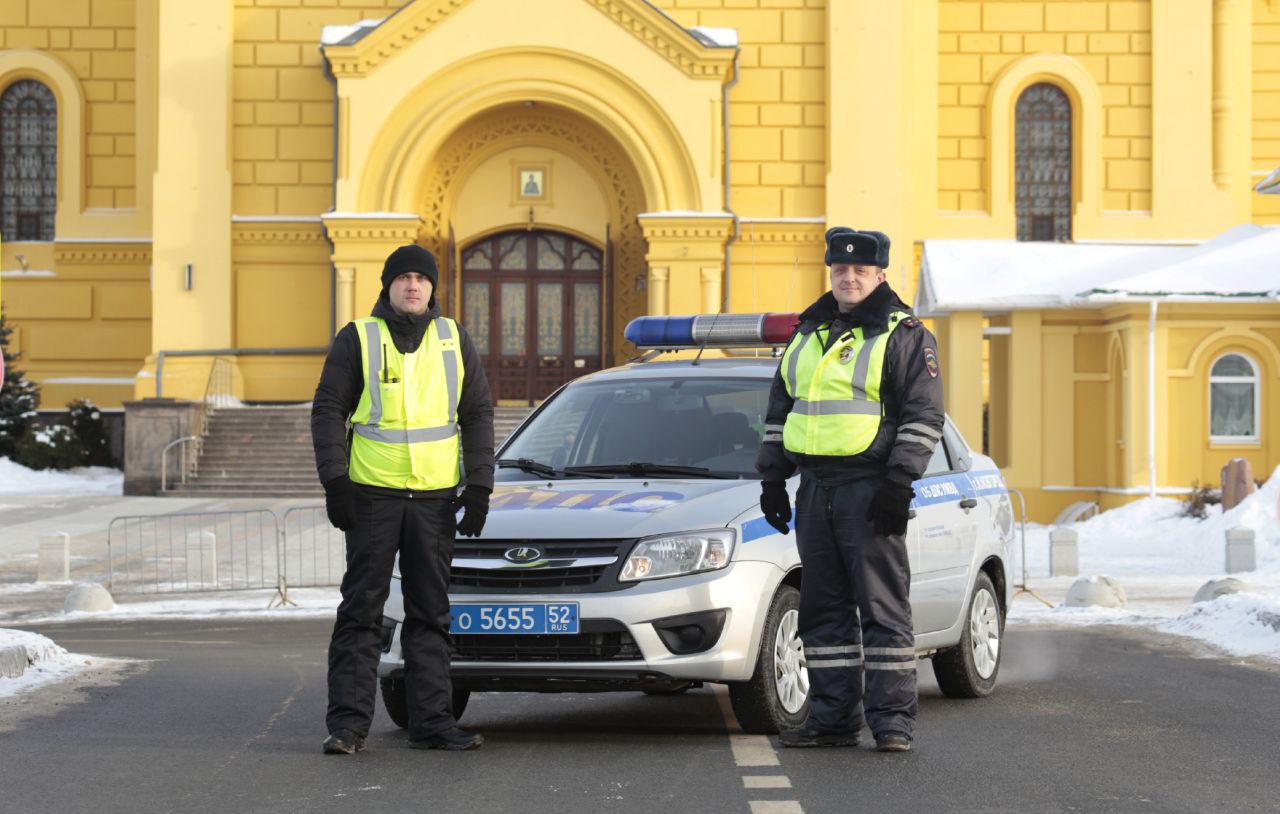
691,632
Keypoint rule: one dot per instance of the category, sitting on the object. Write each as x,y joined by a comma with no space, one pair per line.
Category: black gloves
475,503
889,508
776,504
340,502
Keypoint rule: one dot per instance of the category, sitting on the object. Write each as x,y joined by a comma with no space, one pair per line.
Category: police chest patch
931,362
846,353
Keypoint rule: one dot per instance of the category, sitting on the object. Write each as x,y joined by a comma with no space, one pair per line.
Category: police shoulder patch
931,362
911,322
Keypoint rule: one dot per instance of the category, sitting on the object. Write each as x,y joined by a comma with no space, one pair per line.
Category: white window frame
1256,381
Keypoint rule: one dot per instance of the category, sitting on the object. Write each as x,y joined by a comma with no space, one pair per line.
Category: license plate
536,617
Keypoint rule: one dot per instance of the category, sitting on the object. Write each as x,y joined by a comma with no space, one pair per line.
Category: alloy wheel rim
790,670
984,633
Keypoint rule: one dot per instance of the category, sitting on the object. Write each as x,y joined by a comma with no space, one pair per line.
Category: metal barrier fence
204,551
312,552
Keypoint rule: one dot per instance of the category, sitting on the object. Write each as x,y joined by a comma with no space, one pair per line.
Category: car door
947,520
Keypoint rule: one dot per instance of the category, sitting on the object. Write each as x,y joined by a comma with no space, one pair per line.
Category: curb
13,661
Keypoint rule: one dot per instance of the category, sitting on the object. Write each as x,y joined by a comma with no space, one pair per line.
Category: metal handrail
164,460
162,355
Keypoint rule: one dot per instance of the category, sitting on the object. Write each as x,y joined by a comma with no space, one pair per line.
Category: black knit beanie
410,258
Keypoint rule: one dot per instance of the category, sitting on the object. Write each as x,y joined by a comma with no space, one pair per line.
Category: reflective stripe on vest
837,405
405,424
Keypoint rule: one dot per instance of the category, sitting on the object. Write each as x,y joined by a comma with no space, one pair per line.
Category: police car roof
748,368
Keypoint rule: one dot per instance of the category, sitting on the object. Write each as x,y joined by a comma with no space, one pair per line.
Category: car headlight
673,555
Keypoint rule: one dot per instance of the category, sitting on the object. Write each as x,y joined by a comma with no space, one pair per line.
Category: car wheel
777,695
396,701
969,669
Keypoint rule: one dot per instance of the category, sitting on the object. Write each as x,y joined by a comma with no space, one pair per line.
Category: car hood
614,508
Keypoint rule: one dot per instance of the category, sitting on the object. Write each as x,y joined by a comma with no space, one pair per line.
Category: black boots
808,735
453,740
343,742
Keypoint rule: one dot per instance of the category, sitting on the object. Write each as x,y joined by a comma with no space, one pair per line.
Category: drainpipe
1151,398
724,115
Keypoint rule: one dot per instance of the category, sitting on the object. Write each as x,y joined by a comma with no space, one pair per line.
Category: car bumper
743,591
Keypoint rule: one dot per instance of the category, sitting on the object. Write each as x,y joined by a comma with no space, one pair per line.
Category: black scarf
872,314
407,330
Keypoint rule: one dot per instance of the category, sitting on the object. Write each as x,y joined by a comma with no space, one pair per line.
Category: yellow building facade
230,174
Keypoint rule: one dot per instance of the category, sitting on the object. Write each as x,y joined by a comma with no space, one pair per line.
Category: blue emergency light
711,331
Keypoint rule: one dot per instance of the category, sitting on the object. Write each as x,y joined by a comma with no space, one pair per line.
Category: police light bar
711,331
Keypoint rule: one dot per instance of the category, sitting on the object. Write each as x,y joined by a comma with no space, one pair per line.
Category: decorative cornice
687,228
781,232
368,239
106,254
368,49
294,233
381,43
668,38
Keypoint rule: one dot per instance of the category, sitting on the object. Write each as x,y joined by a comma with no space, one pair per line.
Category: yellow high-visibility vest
405,427
837,407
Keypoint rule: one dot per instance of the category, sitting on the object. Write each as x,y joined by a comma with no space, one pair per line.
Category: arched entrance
531,300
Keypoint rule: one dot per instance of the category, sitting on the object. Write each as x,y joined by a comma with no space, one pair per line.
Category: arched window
1042,163
1234,399
28,161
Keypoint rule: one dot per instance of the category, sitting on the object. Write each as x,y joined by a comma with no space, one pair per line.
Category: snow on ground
310,602
16,479
1160,558
49,662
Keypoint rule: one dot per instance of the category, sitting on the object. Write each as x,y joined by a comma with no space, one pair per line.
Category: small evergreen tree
18,397
85,420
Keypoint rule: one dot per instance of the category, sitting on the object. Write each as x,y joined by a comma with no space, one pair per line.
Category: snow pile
48,661
1244,624
16,479
1152,537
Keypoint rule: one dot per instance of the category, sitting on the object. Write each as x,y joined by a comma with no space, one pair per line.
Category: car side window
940,462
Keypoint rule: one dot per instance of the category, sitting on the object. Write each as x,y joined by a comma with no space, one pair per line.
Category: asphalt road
228,716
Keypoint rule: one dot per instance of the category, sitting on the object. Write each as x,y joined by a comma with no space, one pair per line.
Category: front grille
571,579
600,640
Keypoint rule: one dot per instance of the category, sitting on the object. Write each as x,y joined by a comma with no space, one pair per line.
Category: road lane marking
775,807
752,750
766,781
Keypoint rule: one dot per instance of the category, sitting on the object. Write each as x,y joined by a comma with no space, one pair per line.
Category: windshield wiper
531,466
640,468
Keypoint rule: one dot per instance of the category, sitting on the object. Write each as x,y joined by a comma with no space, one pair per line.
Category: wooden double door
533,302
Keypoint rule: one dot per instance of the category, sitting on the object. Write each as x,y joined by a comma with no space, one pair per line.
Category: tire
396,702
969,669
759,704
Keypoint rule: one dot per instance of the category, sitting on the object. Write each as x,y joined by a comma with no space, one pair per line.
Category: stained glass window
475,308
586,319
513,251
514,316
550,319
1233,399
28,161
585,258
550,253
1042,163
477,258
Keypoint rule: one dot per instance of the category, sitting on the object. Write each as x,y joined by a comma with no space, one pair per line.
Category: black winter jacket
342,382
911,390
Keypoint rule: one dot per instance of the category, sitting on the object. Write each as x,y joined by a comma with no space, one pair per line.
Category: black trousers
855,612
422,531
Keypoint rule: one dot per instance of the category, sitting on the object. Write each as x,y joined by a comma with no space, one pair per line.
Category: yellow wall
977,40
1266,105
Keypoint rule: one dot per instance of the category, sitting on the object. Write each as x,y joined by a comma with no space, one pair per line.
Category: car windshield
712,423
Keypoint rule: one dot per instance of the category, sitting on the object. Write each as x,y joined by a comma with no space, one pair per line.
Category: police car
625,548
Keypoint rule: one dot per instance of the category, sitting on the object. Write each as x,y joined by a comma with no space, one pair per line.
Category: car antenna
707,338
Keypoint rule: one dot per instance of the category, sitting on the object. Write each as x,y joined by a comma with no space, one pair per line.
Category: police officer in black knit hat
857,406
410,384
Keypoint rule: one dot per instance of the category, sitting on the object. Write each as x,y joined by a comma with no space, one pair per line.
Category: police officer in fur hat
410,384
856,405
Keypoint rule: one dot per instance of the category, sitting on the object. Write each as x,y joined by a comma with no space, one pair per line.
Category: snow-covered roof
1003,275
1269,185
348,34
715,37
